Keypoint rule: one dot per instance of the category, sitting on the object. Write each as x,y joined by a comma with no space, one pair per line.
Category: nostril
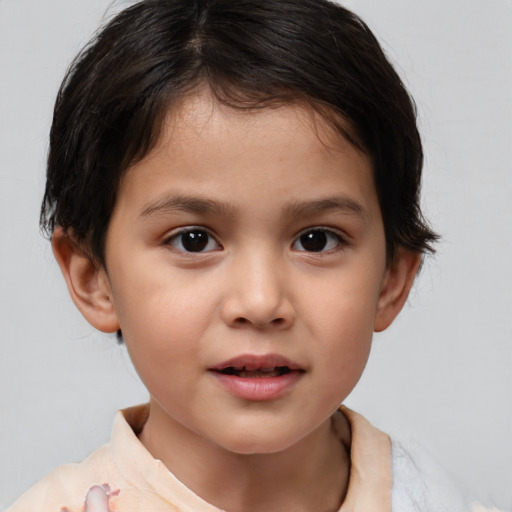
276,322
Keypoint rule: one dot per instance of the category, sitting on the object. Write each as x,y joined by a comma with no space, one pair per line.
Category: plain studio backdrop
441,375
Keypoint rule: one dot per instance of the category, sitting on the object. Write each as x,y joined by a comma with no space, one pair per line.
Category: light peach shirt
122,476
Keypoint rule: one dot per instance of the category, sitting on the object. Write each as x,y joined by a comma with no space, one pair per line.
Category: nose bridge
258,290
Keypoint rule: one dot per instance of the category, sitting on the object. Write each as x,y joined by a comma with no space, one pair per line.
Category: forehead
201,115
236,155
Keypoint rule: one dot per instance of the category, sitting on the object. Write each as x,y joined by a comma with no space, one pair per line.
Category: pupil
194,241
314,241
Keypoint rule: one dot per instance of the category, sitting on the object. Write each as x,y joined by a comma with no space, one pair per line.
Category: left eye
193,240
317,240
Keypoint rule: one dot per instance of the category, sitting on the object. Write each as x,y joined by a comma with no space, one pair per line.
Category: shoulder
116,473
420,484
67,486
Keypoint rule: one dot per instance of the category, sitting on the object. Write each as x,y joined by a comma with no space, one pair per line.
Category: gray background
441,374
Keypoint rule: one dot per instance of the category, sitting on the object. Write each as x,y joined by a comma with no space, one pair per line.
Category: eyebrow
200,205
190,204
342,204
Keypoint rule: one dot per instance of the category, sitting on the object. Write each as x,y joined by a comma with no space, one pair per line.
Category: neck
312,475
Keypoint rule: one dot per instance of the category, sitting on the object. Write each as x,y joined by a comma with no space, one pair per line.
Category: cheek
343,356
163,319
340,317
344,305
155,296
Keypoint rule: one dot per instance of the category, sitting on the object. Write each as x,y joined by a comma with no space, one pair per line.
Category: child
233,187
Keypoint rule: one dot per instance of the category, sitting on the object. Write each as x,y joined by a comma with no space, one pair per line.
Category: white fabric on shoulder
420,485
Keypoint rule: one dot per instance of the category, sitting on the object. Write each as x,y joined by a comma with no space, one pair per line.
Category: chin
258,443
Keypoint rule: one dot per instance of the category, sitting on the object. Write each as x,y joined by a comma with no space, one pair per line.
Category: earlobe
396,286
87,282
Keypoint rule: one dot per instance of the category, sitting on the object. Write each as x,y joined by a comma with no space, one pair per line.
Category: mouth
257,366
258,378
246,373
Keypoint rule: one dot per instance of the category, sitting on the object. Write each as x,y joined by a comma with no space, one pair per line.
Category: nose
258,294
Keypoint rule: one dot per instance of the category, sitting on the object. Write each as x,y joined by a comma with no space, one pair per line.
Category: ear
396,286
87,281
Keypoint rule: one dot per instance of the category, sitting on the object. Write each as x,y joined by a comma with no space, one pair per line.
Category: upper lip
253,362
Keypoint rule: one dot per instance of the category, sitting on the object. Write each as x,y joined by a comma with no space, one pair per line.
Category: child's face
248,239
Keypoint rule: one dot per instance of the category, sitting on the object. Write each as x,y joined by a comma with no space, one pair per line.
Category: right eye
193,240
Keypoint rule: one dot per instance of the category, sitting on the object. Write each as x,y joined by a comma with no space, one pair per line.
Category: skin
255,289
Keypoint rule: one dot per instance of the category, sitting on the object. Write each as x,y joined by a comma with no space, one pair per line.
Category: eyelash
335,237
175,240
176,237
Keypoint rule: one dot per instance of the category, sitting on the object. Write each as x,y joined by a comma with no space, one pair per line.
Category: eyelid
336,233
174,235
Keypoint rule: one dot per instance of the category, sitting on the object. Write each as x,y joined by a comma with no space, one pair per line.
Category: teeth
259,373
252,371
251,367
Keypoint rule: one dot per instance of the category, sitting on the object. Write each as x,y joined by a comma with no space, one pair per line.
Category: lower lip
258,389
